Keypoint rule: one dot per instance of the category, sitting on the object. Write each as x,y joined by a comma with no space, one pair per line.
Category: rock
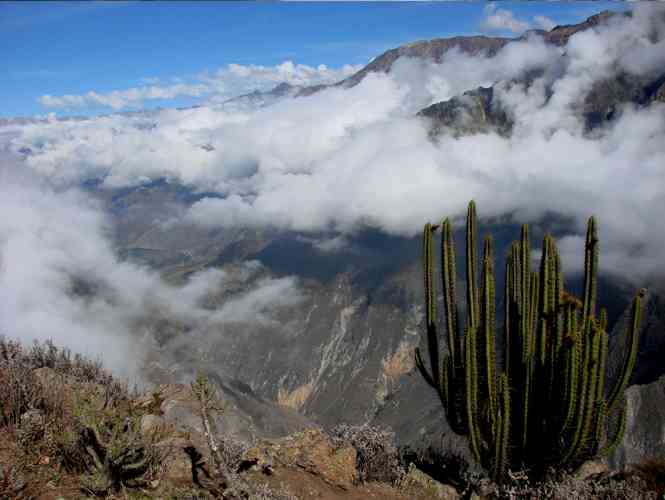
151,424
590,468
181,408
645,426
176,461
312,451
416,481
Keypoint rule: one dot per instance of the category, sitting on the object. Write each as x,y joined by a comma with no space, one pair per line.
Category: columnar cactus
546,404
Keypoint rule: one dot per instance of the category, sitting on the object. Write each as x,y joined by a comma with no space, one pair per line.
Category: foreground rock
645,428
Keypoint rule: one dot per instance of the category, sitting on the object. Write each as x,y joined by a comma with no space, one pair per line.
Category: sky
178,53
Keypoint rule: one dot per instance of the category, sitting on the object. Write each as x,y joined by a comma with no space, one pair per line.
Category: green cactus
546,404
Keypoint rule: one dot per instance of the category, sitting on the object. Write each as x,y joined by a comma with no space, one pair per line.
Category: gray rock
645,426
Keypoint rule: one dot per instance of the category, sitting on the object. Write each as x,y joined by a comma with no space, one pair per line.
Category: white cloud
223,84
60,280
502,20
344,158
119,99
544,22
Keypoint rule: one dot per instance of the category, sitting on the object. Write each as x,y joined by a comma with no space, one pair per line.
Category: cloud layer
60,279
227,82
345,158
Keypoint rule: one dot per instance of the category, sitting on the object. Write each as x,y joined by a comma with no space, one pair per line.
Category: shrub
377,457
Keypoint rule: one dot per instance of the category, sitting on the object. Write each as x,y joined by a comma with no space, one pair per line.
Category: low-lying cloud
216,87
60,279
347,158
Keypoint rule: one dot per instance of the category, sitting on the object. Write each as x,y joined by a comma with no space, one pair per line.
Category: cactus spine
547,404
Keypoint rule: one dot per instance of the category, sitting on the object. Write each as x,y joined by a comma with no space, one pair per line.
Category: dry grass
66,411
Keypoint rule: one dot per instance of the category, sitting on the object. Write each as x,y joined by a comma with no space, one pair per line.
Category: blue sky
72,48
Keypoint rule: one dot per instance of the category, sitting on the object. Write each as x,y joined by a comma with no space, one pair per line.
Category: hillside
69,430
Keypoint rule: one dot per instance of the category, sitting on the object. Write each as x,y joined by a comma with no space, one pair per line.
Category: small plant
122,459
11,484
224,479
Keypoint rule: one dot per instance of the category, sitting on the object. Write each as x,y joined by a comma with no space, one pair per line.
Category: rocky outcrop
481,111
429,50
645,427
312,451
417,480
474,112
649,366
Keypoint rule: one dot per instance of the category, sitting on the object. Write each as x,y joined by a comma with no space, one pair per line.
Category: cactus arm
525,277
590,269
533,312
445,387
602,322
449,279
507,316
632,343
488,328
602,364
423,371
471,267
502,431
525,396
546,299
430,307
571,371
581,423
428,275
593,402
617,437
557,325
472,399
599,426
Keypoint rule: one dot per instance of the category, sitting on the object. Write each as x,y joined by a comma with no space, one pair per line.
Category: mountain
478,110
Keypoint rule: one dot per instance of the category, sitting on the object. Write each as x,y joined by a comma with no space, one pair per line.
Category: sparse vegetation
377,457
67,411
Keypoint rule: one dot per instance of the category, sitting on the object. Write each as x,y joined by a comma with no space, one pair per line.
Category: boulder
416,482
311,450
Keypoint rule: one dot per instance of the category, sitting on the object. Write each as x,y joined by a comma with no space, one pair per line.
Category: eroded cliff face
337,356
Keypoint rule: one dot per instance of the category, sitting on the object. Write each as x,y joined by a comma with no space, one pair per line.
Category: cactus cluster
542,400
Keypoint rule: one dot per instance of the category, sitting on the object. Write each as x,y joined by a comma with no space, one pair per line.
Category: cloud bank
347,158
223,84
60,279
502,20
